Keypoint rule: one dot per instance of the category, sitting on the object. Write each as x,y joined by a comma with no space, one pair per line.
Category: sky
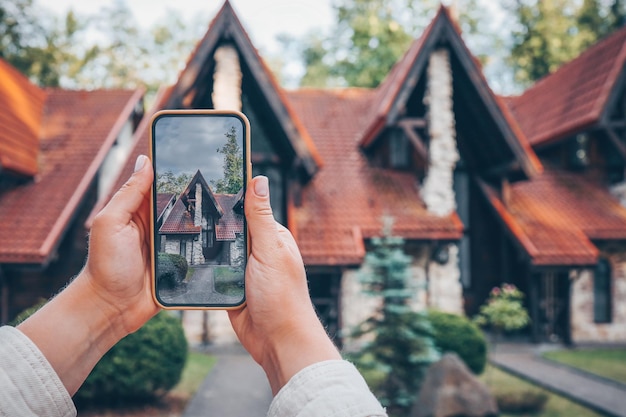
186,144
262,19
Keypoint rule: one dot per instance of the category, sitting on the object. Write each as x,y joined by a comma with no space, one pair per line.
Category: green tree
401,346
552,32
232,181
369,36
167,182
40,45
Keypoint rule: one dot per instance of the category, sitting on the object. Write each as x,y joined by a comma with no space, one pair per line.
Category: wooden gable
277,132
489,140
189,195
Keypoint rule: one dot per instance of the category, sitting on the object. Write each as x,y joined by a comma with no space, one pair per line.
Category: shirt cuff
30,386
332,388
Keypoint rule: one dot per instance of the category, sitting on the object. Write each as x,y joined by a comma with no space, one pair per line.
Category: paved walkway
235,387
602,395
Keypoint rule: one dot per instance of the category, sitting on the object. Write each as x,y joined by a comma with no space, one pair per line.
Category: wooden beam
615,139
616,124
408,126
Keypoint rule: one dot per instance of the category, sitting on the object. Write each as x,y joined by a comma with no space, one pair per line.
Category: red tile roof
231,223
21,110
78,129
345,201
573,97
162,201
557,215
179,221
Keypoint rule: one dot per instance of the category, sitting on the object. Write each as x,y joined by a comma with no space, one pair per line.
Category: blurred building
528,190
60,151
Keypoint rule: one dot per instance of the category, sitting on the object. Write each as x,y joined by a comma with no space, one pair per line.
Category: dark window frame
602,294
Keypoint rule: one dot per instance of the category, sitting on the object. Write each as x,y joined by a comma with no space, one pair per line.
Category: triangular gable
226,28
511,146
22,105
191,189
576,96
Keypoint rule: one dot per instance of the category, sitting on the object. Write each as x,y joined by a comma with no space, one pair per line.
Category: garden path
600,394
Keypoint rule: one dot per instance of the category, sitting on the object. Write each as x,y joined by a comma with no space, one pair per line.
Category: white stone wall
196,256
619,192
445,291
582,324
218,328
434,286
237,250
172,246
437,190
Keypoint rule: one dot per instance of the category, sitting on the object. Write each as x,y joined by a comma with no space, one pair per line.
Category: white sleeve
28,384
329,389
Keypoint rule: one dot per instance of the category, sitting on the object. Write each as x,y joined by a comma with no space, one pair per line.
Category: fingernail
140,162
261,186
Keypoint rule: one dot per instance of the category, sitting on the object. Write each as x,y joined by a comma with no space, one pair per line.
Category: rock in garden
451,390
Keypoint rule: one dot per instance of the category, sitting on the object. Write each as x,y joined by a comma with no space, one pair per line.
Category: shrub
454,333
518,402
504,310
172,269
142,366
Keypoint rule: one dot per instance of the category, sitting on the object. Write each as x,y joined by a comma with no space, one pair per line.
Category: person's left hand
118,265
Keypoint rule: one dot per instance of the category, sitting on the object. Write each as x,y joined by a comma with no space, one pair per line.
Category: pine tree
233,165
401,346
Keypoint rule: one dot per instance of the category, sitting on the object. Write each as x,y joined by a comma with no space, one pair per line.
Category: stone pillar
197,218
437,190
445,291
227,79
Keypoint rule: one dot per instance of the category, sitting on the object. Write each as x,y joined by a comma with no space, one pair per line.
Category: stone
451,390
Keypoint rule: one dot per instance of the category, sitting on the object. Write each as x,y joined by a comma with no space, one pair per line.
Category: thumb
261,224
137,189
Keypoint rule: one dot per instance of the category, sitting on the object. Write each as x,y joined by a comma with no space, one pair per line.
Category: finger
135,191
261,223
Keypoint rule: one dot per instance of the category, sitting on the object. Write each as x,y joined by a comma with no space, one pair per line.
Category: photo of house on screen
202,226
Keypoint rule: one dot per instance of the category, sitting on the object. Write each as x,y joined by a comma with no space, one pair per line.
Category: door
554,299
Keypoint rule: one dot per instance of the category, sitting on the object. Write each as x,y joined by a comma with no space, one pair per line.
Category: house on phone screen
60,151
202,226
484,189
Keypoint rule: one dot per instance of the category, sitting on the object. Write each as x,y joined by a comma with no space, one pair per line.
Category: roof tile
77,128
574,96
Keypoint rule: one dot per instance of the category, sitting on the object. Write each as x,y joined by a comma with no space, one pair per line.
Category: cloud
187,143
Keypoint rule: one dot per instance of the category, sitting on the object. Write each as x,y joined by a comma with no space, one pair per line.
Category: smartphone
201,163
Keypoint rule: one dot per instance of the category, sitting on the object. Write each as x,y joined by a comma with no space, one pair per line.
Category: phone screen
200,160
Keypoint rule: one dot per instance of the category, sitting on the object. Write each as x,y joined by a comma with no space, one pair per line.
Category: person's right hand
278,325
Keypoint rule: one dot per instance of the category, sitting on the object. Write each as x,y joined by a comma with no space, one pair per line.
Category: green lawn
557,406
228,281
609,363
196,369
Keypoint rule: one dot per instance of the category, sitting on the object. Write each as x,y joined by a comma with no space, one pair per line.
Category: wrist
295,350
78,321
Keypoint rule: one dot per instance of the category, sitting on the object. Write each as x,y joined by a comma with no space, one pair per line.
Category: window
399,150
602,292
207,234
579,154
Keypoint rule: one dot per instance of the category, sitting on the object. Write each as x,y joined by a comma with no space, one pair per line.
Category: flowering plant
504,309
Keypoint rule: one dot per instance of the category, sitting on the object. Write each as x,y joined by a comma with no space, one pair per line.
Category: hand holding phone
201,161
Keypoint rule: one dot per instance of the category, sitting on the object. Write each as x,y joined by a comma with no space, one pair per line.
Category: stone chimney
197,218
227,79
437,189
